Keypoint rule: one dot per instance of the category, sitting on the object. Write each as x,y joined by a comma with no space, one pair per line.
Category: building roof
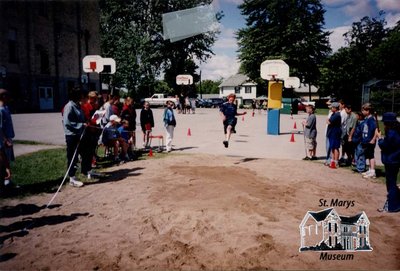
350,219
235,80
319,216
304,89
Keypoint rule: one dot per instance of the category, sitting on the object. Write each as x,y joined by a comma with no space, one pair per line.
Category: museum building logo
326,231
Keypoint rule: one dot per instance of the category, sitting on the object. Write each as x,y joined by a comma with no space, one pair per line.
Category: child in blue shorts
228,112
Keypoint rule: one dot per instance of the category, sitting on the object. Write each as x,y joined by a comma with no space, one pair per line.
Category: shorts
334,143
311,143
229,122
369,150
147,127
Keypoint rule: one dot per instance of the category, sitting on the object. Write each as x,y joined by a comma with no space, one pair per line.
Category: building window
247,90
329,226
330,241
43,59
335,227
360,229
12,46
237,90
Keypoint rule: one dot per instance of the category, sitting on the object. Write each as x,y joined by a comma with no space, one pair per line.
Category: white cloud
388,5
219,66
392,18
359,9
337,3
226,39
336,39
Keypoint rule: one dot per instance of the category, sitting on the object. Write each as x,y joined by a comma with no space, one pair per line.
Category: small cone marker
252,114
243,118
292,138
189,133
151,153
295,126
332,165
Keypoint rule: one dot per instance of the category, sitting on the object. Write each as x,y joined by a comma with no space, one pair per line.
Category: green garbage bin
286,106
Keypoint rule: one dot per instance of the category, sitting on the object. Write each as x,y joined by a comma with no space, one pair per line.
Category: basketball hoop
273,77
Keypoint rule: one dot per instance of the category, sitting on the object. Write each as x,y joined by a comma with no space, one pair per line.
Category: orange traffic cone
333,164
292,138
295,126
189,133
252,114
151,153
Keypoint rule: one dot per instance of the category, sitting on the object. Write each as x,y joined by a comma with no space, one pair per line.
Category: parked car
203,103
216,102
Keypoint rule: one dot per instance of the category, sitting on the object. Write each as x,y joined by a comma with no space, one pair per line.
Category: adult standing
390,146
74,123
6,129
169,123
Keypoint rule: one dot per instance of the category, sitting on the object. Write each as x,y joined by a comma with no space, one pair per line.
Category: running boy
310,133
228,112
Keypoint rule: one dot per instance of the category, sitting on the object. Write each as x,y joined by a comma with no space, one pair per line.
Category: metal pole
201,94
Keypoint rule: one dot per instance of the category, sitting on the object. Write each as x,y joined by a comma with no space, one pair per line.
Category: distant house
241,85
303,92
326,230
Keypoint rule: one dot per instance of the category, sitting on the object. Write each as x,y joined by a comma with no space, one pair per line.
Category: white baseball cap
115,118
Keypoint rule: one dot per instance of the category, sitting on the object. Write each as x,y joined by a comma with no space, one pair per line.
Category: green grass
322,111
39,171
43,171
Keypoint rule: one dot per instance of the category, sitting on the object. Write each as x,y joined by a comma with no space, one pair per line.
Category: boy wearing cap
334,133
390,147
111,138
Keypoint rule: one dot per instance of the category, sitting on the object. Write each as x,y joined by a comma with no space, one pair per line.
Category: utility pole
201,94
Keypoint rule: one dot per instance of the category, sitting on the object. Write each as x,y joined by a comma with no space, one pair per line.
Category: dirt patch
193,212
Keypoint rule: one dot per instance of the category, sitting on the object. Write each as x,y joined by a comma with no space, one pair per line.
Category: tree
209,86
131,33
366,57
290,30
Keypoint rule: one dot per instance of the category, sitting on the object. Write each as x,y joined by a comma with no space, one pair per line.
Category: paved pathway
206,132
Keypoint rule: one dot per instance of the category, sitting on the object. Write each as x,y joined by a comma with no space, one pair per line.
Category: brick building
42,44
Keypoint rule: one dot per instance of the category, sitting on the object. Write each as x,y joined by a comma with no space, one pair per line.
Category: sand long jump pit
199,212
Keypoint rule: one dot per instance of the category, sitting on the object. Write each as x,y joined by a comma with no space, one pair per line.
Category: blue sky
339,16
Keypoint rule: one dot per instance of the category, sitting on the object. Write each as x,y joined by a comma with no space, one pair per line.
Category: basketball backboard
92,63
184,79
292,82
274,69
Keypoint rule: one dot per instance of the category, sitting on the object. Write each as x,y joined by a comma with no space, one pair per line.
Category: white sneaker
365,173
74,182
371,175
